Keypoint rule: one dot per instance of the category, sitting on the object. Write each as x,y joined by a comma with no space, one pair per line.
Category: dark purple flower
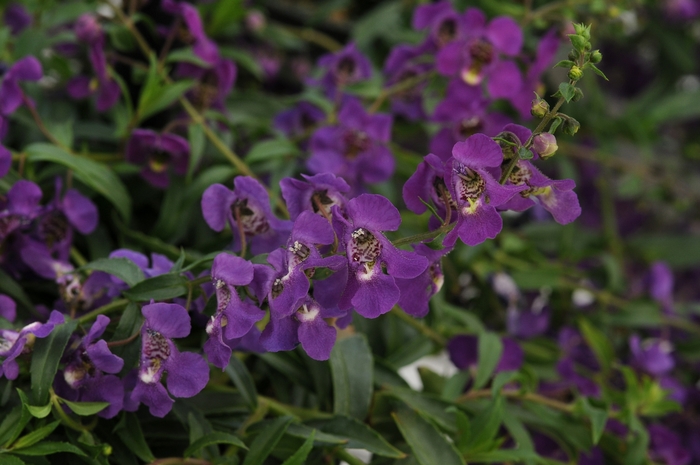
416,292
443,22
213,84
234,318
15,343
8,308
157,153
355,149
665,446
427,184
85,370
318,194
246,209
344,67
660,281
464,353
369,290
475,192
464,112
299,119
654,356
11,95
527,323
202,45
88,30
401,65
20,207
306,326
477,55
17,18
188,372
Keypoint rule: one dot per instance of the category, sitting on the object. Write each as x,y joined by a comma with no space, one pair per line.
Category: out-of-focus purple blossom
8,308
299,119
464,112
524,322
464,353
665,446
442,21
318,194
400,67
246,208
255,20
214,83
11,98
90,369
653,356
19,208
355,149
477,56
427,184
342,68
188,372
369,290
681,10
576,357
157,153
660,282
17,18
15,343
475,191
88,30
416,292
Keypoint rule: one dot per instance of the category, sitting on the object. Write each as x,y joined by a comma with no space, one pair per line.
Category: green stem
65,418
111,307
422,328
424,236
512,394
397,88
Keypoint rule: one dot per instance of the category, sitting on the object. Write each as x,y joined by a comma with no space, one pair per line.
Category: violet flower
202,45
475,191
15,343
369,290
355,149
213,84
8,308
660,282
84,373
157,153
464,353
556,196
298,119
17,18
476,56
653,356
318,194
427,184
306,325
417,292
442,21
246,209
401,65
344,67
188,372
234,318
665,446
19,208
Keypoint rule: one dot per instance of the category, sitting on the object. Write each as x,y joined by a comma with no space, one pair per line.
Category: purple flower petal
374,212
375,296
505,34
188,373
155,397
478,151
103,358
317,338
80,211
171,320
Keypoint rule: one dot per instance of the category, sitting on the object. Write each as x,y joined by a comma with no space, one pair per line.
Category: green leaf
525,154
10,287
429,446
567,91
129,431
240,376
358,436
264,442
35,436
91,173
484,426
490,350
186,55
597,71
599,343
225,13
299,457
271,149
8,459
50,447
36,411
352,370
564,64
245,60
197,140
47,354
501,380
578,42
122,268
86,408
217,437
598,418
163,98
163,287
13,423
454,387
502,456
434,408
129,324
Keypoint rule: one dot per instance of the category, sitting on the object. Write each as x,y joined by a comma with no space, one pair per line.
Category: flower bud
578,95
88,29
570,126
575,73
539,107
545,144
595,56
574,55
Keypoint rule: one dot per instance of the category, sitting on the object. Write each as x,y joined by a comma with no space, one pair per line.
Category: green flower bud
595,56
575,73
545,144
574,55
578,95
539,107
583,30
570,126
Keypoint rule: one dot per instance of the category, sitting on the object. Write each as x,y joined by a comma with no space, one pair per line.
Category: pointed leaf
163,287
217,437
35,436
352,370
429,446
490,350
240,376
358,436
47,354
299,457
264,442
122,268
86,408
129,431
49,447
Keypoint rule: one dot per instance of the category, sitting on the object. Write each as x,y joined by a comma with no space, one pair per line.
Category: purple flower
416,292
443,22
157,152
11,98
475,192
188,373
214,83
20,207
344,67
298,262
527,323
299,119
306,325
464,353
106,89
428,184
85,370
402,64
666,446
477,55
246,209
355,149
8,308
202,45
234,318
660,281
13,343
653,356
17,18
464,112
556,196
318,194
369,290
